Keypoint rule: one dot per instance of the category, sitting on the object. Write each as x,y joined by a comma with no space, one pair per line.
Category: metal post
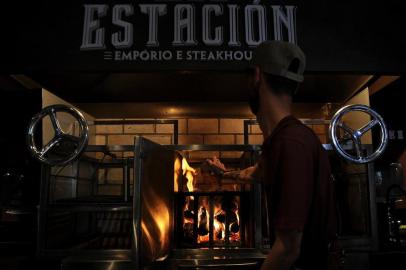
42,208
195,220
227,231
243,202
372,202
175,132
246,132
257,216
211,223
136,224
126,180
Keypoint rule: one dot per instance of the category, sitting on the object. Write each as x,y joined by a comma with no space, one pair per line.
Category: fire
219,227
156,233
189,173
182,167
235,228
225,212
176,168
203,221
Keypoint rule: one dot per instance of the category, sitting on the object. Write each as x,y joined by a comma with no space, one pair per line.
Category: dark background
390,104
337,36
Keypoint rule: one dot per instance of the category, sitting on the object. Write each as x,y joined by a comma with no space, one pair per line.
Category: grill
150,220
196,214
77,214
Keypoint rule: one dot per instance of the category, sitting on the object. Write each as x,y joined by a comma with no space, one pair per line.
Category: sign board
143,35
184,31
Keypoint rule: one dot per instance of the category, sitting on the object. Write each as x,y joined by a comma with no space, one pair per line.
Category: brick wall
190,131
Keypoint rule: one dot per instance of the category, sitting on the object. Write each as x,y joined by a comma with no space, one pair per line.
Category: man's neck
276,108
272,122
273,118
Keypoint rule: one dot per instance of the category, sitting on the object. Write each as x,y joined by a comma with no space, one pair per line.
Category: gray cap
276,57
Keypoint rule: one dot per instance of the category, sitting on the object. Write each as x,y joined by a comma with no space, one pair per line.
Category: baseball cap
280,58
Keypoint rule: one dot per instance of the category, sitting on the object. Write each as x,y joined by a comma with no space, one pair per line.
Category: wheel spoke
346,128
358,148
368,126
55,122
345,139
51,144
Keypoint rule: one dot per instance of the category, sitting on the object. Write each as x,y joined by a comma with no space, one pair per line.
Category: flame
176,168
200,220
182,165
203,214
235,236
189,173
219,228
158,228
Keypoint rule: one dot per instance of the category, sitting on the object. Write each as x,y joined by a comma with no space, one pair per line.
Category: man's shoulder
297,132
292,133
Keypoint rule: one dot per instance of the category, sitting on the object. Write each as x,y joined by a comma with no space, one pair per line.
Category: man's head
276,69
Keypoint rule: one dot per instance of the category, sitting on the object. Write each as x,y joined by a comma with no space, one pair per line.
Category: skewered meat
216,163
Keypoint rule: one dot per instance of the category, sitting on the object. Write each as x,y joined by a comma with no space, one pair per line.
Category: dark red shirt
299,189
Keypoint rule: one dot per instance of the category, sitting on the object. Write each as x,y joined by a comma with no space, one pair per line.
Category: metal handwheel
355,135
62,148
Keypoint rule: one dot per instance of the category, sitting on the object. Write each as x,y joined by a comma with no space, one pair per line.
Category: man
294,167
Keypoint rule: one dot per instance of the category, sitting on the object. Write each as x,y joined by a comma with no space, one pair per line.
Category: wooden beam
381,83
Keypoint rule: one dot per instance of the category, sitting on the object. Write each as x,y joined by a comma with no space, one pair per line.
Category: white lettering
250,28
287,19
233,20
116,39
206,24
221,26
153,11
91,25
181,23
